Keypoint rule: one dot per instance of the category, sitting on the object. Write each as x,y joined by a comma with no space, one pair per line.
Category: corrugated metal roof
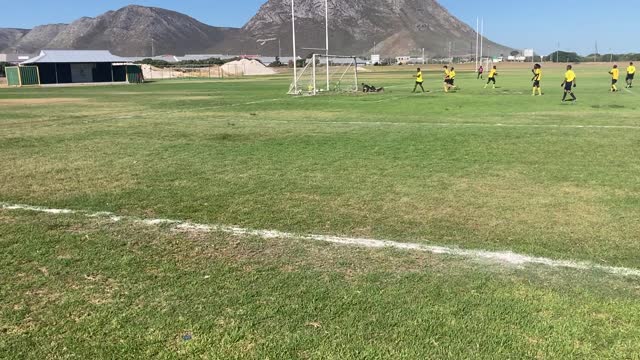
75,56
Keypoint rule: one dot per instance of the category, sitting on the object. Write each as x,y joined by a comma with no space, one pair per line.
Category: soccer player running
480,72
447,77
631,72
452,78
615,75
537,78
492,77
419,80
569,83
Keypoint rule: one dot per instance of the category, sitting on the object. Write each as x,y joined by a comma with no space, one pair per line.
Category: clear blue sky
539,24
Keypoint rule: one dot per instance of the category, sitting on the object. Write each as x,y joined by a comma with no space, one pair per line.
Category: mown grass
479,168
94,289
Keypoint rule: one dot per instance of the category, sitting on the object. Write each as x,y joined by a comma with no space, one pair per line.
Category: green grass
478,168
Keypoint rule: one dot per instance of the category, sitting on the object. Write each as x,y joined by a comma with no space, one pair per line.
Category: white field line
499,257
401,123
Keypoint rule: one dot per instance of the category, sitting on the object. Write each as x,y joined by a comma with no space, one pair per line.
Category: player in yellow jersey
537,78
615,75
492,77
569,83
419,80
447,78
452,78
631,72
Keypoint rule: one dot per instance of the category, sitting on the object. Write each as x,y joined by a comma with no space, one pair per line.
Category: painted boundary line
401,123
498,257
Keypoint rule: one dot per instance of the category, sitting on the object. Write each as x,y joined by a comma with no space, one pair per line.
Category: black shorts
419,82
568,86
630,76
450,81
614,81
536,83
493,80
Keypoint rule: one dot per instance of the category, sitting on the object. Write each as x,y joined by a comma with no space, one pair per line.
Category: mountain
10,36
397,27
129,32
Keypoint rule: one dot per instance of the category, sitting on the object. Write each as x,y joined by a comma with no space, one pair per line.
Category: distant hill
10,36
398,27
129,32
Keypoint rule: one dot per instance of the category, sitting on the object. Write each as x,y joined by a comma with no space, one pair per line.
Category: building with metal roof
82,66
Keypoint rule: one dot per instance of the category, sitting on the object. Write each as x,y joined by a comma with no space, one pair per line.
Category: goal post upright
355,64
326,22
313,81
295,58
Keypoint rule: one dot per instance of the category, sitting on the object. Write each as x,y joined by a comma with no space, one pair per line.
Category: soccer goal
326,74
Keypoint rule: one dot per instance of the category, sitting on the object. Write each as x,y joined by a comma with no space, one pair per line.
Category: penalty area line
498,257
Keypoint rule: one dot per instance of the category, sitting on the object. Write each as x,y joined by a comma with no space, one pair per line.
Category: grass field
478,169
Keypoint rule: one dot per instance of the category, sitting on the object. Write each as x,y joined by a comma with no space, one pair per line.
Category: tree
515,53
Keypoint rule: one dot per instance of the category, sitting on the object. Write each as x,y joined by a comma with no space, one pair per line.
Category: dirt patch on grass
44,101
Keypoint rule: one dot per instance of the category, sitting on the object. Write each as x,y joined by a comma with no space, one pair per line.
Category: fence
192,72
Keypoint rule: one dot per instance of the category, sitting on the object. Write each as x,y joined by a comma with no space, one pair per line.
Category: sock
564,97
540,91
615,88
574,97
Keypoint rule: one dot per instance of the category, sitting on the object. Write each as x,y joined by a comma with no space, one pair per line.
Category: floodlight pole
326,23
295,58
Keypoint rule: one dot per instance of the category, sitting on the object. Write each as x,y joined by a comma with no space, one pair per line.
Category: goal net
326,74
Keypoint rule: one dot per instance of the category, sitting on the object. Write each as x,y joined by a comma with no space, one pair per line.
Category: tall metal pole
326,23
295,58
482,39
477,41
313,58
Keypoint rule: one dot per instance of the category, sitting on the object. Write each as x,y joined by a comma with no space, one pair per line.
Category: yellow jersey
615,73
493,73
631,70
537,74
446,73
419,77
569,76
452,74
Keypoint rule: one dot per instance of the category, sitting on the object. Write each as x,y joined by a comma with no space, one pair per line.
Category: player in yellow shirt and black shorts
492,77
452,78
447,78
569,83
631,72
419,80
615,76
537,78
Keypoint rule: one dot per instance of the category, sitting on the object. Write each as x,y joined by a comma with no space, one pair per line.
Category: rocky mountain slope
396,27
